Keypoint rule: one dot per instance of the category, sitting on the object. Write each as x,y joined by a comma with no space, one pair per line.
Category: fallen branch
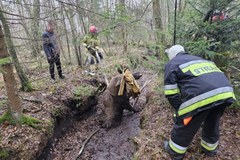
235,68
32,100
145,84
85,142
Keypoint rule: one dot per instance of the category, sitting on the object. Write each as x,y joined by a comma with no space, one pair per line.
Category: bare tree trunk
157,23
35,25
80,15
66,34
55,17
14,104
35,30
74,37
123,27
175,22
165,20
26,85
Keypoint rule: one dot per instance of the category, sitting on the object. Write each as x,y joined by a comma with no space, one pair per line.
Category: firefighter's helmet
174,50
93,29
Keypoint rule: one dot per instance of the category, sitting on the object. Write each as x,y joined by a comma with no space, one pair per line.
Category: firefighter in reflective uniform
91,43
199,92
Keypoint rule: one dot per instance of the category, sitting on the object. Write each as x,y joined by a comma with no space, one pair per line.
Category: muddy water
115,143
111,144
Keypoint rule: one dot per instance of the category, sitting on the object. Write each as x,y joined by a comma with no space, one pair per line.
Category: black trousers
208,119
52,63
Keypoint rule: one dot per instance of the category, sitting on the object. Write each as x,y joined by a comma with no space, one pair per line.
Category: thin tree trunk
70,19
14,104
157,23
55,17
35,31
26,85
66,34
80,15
175,23
123,27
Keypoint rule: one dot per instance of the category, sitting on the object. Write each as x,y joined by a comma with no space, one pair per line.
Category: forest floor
63,132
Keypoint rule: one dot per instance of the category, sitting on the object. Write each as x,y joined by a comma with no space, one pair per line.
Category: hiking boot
207,152
62,77
52,80
174,155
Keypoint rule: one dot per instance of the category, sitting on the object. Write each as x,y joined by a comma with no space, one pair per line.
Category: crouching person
199,92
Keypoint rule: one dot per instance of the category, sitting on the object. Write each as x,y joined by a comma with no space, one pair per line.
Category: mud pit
105,144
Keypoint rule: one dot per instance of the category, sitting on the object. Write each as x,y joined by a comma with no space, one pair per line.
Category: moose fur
114,104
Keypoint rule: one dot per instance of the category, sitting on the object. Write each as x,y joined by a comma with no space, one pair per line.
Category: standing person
52,50
199,92
91,42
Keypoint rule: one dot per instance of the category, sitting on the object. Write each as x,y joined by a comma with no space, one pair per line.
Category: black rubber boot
174,155
207,152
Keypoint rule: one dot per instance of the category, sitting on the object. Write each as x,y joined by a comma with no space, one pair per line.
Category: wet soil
73,130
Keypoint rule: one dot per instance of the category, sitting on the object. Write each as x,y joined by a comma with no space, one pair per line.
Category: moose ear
137,75
118,82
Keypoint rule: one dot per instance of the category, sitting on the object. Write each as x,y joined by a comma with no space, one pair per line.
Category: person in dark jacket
199,92
52,50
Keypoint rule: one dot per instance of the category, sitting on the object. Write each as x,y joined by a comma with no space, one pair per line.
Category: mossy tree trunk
25,84
15,108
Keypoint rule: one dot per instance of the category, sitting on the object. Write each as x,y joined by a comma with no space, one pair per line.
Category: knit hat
173,51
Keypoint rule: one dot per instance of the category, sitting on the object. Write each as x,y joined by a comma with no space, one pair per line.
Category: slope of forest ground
139,136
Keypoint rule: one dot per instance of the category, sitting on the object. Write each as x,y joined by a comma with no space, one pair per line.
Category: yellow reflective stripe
171,91
201,68
177,148
206,102
209,146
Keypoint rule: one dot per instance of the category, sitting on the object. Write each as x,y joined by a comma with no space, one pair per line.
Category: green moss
7,117
83,91
5,60
30,121
3,103
4,154
143,121
27,87
27,120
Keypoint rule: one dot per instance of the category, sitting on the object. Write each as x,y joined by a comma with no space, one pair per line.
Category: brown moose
114,104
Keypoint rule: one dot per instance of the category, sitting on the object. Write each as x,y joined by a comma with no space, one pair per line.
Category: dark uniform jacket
193,84
50,44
